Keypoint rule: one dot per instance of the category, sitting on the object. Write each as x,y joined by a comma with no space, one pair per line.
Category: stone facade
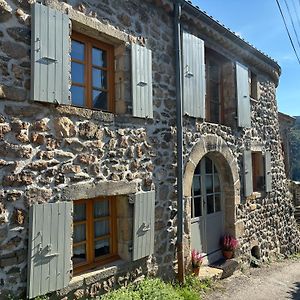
286,122
53,153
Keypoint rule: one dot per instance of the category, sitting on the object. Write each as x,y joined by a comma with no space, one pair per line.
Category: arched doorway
207,209
225,165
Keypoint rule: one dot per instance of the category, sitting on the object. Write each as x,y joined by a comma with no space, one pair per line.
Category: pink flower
197,258
229,243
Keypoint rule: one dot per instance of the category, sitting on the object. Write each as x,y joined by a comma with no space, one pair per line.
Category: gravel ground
279,280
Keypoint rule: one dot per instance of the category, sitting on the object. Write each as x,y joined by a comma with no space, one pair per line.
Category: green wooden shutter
143,227
141,66
243,98
248,180
49,250
193,76
50,61
268,174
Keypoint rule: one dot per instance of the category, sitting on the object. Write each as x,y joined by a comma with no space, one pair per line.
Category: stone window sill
98,273
253,100
257,195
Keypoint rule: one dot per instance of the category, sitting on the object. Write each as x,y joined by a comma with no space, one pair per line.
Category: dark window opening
253,85
220,89
258,172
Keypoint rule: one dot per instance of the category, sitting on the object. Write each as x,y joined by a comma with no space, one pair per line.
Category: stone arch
216,149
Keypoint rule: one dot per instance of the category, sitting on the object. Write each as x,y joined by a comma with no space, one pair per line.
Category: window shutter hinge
131,199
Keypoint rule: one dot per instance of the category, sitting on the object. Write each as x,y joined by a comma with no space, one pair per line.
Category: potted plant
197,259
228,245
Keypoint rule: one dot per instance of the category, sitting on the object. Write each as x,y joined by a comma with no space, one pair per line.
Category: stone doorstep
207,272
227,266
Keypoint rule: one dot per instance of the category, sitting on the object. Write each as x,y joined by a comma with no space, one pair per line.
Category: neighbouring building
286,122
89,151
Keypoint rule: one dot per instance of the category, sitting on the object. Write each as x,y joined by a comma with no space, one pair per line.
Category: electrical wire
295,9
293,25
287,30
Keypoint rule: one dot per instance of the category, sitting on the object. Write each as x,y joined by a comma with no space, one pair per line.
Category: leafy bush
121,294
156,289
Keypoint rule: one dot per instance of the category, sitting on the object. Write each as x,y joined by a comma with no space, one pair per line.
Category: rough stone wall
285,124
46,148
295,190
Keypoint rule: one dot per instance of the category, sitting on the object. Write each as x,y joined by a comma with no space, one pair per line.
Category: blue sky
259,22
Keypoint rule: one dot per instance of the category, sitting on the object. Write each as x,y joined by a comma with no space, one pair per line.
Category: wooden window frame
92,261
89,43
210,57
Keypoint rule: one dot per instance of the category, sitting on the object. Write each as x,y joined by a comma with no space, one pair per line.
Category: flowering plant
229,243
197,259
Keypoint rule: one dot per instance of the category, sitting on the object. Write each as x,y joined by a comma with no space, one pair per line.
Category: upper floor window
214,90
253,85
92,73
220,89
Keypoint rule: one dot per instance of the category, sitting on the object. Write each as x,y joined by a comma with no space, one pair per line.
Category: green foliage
187,293
199,286
121,294
156,289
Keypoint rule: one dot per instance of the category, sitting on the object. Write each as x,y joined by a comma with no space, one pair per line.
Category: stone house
102,175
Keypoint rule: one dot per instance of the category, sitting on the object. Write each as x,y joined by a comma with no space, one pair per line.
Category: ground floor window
94,232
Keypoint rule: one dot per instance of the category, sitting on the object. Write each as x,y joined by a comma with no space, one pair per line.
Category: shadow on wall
295,293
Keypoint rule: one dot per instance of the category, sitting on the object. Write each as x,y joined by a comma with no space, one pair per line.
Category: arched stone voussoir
218,150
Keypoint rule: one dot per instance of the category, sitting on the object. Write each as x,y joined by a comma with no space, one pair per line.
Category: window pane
210,204
79,233
77,93
217,202
198,170
209,184
100,100
216,183
101,209
101,247
99,57
208,165
77,72
197,185
99,79
197,207
77,50
101,228
79,212
79,254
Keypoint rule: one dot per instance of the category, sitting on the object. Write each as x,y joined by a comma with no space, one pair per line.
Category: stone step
207,272
228,266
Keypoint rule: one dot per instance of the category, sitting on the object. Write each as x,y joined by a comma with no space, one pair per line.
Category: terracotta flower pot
196,271
228,254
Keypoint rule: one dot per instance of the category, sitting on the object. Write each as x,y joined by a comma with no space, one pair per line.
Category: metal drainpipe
178,73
